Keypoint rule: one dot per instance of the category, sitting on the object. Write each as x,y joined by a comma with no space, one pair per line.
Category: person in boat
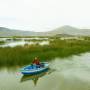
36,62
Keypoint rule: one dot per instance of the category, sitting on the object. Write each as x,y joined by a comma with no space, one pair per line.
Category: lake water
35,38
9,42
22,43
72,73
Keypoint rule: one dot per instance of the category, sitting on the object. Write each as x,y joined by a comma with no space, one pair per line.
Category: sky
44,15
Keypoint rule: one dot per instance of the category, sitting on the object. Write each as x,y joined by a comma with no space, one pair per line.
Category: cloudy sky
44,15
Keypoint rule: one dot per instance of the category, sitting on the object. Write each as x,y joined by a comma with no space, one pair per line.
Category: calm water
71,73
22,43
9,42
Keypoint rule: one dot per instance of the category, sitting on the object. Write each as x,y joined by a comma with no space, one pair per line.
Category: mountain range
64,30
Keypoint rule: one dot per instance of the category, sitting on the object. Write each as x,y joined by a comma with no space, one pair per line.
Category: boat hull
33,73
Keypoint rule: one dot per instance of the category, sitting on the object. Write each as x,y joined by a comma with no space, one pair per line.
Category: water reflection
35,77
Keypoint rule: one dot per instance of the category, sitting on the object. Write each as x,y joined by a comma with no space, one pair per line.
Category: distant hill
68,30
11,32
64,30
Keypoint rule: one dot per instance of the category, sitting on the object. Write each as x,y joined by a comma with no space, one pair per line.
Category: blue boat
35,69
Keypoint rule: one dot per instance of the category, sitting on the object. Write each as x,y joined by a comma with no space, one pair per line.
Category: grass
19,56
2,42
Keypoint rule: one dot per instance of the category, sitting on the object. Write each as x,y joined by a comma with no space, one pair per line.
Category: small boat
35,69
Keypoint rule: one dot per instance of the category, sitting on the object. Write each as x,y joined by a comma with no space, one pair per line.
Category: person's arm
33,61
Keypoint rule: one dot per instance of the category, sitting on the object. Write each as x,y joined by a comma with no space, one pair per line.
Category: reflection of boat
35,77
35,69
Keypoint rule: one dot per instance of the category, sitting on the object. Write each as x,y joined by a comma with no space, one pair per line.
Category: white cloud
43,15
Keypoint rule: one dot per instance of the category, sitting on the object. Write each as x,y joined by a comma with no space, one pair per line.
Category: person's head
36,58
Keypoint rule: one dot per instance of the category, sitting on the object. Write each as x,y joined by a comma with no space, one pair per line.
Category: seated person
36,61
